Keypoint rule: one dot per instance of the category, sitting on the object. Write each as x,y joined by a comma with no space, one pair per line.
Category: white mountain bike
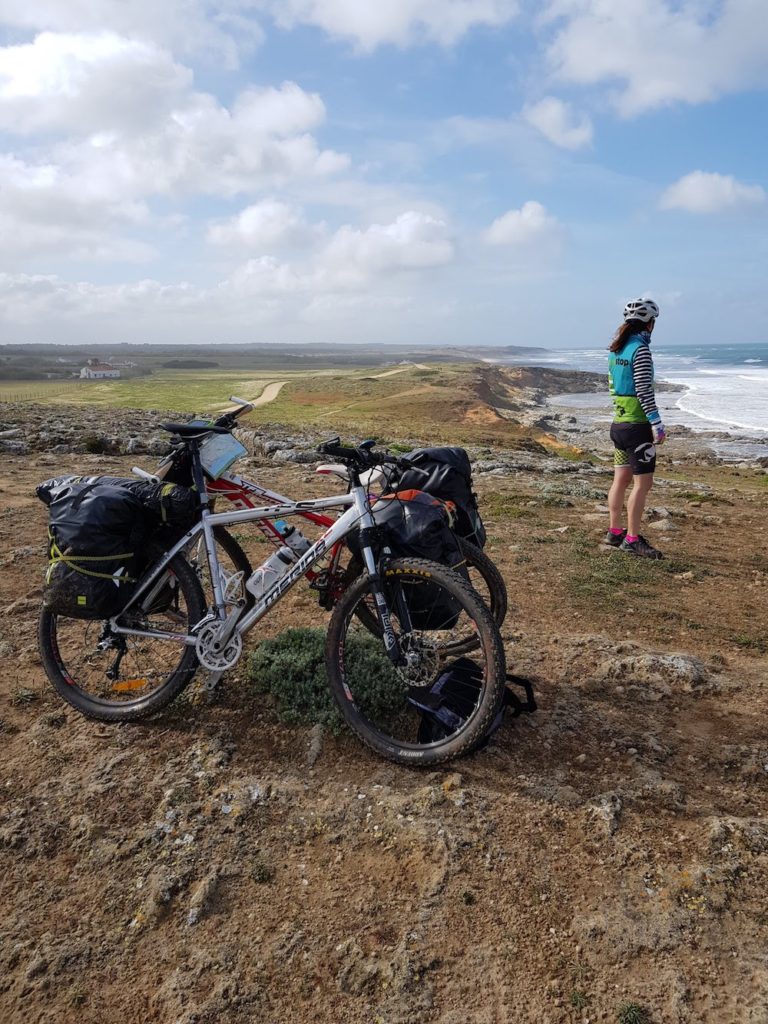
403,631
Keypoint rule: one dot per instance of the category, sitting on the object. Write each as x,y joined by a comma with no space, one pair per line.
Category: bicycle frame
357,514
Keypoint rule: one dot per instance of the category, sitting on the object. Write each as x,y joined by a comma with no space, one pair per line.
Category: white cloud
557,122
220,30
399,22
660,52
262,225
531,225
125,124
704,192
413,241
369,262
87,83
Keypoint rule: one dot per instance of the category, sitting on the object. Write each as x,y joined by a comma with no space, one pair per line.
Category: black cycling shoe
641,548
614,539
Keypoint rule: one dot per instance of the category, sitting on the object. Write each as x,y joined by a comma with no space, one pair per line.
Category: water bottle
266,575
293,538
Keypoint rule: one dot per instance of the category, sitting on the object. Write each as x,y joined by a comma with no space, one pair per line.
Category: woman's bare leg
636,502
622,477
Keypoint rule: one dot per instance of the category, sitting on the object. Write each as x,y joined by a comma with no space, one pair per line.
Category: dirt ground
605,859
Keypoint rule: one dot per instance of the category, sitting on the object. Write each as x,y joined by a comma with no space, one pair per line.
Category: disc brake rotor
422,661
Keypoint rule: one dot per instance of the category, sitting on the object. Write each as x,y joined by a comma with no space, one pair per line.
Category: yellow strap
57,555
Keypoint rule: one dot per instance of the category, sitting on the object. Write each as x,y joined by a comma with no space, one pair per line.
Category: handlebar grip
337,449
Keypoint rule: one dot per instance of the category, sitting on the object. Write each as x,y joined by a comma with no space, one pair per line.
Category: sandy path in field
391,373
270,393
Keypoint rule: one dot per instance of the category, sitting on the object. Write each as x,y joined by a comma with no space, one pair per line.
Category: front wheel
438,702
115,677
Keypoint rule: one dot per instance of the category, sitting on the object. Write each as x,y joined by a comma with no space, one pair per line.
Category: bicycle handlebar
228,419
363,457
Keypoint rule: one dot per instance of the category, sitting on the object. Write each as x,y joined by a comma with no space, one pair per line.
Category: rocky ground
605,859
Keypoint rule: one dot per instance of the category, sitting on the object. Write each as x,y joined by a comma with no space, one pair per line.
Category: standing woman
636,427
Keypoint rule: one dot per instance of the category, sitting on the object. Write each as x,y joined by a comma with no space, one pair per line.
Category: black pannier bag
99,529
417,525
451,699
449,477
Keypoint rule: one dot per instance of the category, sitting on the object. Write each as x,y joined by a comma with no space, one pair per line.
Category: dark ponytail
625,332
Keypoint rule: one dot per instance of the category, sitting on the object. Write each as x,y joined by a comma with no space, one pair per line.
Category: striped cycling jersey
630,380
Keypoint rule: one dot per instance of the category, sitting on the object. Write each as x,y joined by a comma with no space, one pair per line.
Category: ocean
726,387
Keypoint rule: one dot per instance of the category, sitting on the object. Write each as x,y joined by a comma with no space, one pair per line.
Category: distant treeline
189,364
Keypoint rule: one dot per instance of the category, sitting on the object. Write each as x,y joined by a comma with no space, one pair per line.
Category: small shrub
575,488
578,999
506,506
554,501
291,667
23,696
96,444
262,872
632,1013
55,720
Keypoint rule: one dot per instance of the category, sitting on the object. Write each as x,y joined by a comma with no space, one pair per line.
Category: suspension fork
391,645
367,533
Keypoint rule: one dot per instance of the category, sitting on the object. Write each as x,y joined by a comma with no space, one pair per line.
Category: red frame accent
243,497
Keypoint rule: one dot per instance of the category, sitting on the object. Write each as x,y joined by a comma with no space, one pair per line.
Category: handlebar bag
449,477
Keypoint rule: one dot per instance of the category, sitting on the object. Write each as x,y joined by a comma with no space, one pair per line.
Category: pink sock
616,531
630,540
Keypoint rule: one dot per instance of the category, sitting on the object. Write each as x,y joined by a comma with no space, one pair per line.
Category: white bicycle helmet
641,309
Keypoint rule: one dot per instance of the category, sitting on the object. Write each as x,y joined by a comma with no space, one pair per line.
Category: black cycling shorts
633,446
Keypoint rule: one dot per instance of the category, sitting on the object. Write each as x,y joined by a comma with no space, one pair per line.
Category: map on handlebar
218,452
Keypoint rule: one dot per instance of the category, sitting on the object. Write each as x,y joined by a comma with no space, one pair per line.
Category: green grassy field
185,390
443,403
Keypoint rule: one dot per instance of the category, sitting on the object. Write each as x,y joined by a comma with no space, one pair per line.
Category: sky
442,172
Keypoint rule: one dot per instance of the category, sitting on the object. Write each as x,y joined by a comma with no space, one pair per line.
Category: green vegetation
189,364
261,871
291,668
632,1013
752,644
96,444
506,506
23,696
703,496
611,579
405,403
579,999
574,488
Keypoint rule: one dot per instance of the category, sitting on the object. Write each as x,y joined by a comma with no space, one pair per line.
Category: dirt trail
391,373
270,393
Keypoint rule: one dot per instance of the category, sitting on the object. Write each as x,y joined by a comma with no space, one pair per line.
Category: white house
98,371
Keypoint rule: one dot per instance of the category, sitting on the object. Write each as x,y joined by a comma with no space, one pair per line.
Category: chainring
211,654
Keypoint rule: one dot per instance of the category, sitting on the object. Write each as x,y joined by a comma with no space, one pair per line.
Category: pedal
511,700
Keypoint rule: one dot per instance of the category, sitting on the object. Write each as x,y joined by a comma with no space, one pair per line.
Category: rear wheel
116,677
484,578
438,703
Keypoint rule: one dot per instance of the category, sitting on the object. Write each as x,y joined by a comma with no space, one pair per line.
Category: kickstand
515,705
